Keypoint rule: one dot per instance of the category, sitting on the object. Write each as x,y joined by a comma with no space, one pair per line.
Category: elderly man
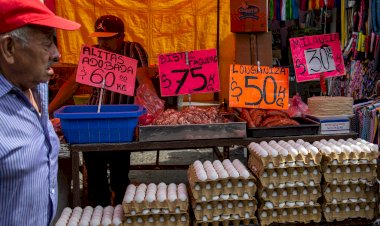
28,144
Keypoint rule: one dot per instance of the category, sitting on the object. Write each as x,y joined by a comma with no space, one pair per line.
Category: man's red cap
18,13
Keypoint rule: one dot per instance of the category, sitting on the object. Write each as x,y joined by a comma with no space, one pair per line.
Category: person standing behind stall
28,144
109,30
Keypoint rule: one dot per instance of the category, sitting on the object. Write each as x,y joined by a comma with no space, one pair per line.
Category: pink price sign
189,72
313,55
96,65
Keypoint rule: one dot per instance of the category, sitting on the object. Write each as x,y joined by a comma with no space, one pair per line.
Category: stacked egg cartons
222,192
290,176
156,205
108,216
350,189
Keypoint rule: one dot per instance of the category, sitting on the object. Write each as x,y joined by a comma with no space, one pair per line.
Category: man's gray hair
22,34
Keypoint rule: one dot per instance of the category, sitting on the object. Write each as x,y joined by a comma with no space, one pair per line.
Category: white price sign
320,60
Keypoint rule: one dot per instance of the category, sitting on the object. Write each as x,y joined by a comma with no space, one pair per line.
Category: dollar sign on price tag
267,88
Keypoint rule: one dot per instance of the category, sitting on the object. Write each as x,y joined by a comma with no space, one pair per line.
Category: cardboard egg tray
209,189
158,220
290,215
341,173
227,207
135,208
227,220
342,192
293,174
257,163
293,194
352,155
342,211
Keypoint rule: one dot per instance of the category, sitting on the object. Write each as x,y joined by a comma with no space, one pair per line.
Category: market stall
303,166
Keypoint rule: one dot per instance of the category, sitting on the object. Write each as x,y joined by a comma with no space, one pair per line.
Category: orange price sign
267,88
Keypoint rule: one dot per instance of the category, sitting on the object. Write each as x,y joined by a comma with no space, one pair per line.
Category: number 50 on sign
267,88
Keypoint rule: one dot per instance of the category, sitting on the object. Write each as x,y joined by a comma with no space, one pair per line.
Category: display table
174,145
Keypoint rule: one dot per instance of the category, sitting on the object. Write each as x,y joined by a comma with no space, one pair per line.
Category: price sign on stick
266,88
313,55
189,72
117,71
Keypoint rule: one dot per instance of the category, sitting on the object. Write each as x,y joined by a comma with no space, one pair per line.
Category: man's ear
7,48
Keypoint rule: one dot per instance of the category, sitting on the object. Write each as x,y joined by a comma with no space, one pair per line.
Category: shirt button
32,108
14,95
52,191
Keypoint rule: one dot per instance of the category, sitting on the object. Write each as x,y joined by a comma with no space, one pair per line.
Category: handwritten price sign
96,65
189,72
313,55
266,88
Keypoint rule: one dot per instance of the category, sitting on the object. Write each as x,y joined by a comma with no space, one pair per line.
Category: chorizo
257,116
270,119
245,115
283,122
277,113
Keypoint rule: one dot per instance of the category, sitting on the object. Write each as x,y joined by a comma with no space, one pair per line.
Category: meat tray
236,128
306,127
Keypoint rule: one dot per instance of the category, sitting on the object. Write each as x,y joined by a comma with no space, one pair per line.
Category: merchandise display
348,168
193,123
286,182
290,174
90,216
350,189
156,204
222,192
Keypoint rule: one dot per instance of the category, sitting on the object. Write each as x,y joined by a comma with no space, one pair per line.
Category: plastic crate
113,124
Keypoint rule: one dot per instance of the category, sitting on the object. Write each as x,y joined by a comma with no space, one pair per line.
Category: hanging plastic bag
147,97
297,107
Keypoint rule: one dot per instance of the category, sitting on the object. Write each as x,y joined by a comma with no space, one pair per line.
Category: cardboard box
250,48
249,15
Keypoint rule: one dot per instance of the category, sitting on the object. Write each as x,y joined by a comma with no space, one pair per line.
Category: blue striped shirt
28,158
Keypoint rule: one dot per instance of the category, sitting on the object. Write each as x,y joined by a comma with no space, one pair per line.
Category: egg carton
227,220
306,214
340,192
226,207
343,211
284,161
182,219
341,173
293,194
344,156
299,175
210,189
147,212
326,163
156,207
109,216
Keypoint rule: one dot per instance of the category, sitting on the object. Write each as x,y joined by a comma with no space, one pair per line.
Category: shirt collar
5,85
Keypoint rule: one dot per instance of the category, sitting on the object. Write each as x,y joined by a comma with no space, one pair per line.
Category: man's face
112,44
33,60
